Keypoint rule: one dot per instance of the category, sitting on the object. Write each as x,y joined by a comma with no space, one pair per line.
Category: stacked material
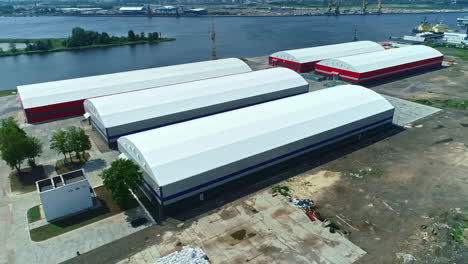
187,255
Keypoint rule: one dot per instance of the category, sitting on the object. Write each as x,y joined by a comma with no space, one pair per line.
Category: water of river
235,37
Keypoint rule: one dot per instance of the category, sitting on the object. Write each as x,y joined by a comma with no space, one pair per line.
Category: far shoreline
371,12
97,46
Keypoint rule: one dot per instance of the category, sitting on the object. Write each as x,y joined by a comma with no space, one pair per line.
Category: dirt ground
446,83
397,197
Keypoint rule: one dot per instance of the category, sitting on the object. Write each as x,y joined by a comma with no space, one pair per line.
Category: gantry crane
337,9
213,39
379,6
364,7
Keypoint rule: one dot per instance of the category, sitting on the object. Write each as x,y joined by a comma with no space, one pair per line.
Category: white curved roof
120,109
49,93
383,59
177,152
328,52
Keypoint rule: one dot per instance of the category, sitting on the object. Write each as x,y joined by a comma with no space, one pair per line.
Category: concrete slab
408,112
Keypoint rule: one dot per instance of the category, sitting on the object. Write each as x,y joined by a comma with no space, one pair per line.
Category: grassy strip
34,214
458,231
108,208
6,92
450,103
60,47
454,52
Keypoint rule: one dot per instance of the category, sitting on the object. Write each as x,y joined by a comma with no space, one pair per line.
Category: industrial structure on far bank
194,127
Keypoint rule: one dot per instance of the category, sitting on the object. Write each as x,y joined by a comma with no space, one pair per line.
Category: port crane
213,40
364,7
379,6
330,7
337,9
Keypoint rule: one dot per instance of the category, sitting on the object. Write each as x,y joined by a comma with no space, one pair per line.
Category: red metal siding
380,73
298,67
385,71
54,107
342,73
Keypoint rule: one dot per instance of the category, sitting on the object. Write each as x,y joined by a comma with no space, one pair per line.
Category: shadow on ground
229,192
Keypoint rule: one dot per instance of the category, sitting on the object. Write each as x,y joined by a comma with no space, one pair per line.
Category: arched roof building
377,65
188,158
52,100
304,60
122,114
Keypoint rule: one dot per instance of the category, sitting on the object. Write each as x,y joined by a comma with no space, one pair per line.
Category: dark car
139,221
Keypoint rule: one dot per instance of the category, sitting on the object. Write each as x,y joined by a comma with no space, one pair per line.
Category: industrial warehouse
122,114
304,60
188,158
65,98
378,65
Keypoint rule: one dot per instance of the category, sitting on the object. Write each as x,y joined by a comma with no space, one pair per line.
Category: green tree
104,38
131,35
60,143
120,178
8,126
78,141
14,149
1,50
13,47
33,150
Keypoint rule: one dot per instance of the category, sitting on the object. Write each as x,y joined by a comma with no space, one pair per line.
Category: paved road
16,245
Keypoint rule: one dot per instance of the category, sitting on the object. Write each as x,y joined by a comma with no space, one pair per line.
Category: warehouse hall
304,60
378,65
186,159
65,98
123,114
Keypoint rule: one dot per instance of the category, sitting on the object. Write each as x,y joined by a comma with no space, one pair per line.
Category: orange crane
379,6
213,39
364,6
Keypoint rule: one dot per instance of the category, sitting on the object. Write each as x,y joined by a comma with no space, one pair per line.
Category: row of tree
72,140
17,147
39,45
81,37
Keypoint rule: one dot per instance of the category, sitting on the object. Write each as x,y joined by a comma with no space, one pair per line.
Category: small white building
65,194
454,38
132,10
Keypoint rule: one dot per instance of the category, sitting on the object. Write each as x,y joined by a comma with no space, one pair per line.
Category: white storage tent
122,114
385,59
43,101
319,53
185,159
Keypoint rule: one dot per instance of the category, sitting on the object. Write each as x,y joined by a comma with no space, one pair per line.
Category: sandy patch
308,185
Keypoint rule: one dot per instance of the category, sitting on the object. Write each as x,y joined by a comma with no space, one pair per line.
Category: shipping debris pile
187,255
441,239
312,213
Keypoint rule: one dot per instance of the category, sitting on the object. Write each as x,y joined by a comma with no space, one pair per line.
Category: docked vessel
423,27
